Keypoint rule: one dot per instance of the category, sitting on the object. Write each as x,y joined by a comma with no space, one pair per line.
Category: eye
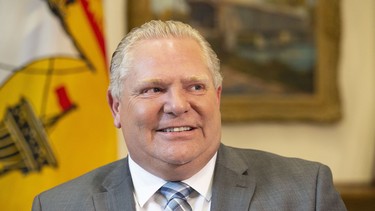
152,90
197,87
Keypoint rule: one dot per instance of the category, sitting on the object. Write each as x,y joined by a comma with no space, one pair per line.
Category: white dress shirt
146,186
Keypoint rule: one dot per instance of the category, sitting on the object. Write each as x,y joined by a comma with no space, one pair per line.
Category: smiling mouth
176,129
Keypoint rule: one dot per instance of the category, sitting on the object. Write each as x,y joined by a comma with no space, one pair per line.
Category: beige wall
348,146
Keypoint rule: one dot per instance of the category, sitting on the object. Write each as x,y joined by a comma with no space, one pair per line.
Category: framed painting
278,57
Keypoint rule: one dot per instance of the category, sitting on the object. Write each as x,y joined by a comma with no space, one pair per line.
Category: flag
54,120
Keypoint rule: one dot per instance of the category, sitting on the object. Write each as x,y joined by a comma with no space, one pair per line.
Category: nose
176,103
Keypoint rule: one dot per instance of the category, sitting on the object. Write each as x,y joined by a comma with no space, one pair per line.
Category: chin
179,159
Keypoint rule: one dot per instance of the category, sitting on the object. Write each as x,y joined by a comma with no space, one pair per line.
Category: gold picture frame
321,104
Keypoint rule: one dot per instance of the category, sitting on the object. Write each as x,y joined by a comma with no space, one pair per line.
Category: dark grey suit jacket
244,179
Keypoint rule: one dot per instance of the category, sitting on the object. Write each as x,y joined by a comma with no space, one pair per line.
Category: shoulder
252,156
81,189
269,165
292,183
92,180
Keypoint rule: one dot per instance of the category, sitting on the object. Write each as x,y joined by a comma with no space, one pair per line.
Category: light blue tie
176,194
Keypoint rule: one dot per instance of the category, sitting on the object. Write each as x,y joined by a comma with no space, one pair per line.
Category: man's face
169,109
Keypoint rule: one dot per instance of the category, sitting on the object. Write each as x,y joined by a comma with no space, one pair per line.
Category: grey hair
122,59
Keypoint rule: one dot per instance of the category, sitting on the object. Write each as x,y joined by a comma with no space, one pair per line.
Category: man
165,96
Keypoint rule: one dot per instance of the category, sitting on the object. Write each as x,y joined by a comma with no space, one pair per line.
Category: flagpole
47,86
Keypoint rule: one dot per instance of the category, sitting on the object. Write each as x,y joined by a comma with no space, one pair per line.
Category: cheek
141,113
139,120
208,107
210,113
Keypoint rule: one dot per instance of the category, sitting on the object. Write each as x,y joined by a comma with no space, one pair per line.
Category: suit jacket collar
232,180
118,190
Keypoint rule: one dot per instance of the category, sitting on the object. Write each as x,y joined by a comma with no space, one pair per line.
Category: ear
114,105
218,93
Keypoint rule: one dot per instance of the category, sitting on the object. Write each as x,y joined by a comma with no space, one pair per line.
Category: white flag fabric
54,120
29,32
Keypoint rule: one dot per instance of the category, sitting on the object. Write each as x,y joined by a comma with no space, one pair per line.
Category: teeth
177,129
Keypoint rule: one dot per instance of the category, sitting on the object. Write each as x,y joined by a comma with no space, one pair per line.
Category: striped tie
176,194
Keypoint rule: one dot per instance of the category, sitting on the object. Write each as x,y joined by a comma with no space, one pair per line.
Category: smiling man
165,96
169,108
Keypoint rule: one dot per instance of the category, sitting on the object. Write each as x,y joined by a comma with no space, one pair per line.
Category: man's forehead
164,43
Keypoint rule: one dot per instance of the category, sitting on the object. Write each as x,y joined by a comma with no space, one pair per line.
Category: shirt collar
146,184
202,181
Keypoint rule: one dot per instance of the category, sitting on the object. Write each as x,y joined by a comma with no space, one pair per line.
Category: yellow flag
54,120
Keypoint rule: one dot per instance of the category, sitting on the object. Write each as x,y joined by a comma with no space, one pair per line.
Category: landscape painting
278,57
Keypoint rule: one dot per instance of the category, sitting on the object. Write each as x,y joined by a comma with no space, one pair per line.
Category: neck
175,172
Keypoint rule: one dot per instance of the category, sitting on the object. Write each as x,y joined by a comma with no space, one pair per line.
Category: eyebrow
196,78
155,81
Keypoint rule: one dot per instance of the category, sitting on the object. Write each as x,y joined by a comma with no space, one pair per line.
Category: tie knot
173,190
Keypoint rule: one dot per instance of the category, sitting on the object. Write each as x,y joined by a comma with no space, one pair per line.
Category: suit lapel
118,194
101,201
233,184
